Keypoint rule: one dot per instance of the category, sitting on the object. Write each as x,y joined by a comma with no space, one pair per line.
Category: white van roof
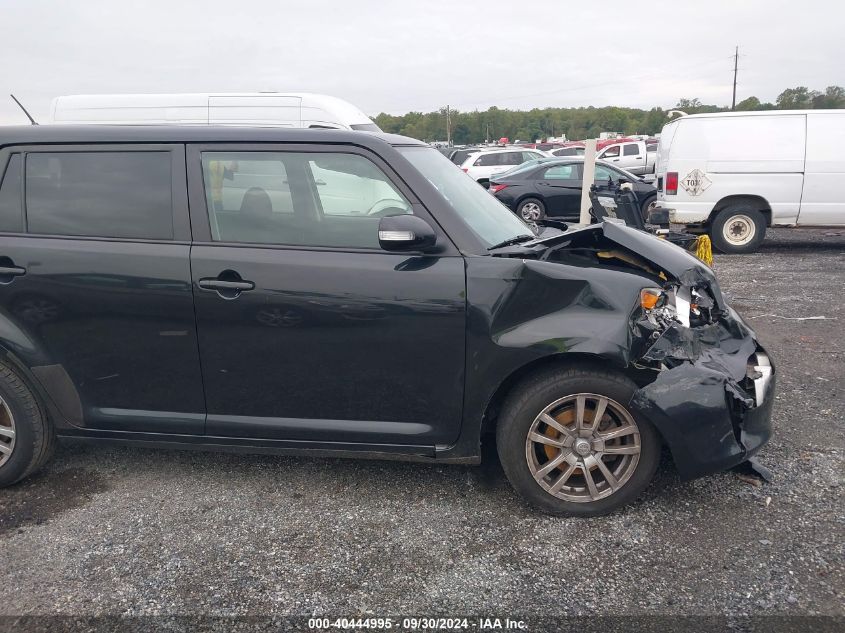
704,115
286,109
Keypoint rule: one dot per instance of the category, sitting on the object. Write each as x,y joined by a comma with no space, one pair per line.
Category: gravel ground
133,531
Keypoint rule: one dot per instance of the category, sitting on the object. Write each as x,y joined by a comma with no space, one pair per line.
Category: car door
823,200
98,282
560,187
633,158
611,154
308,331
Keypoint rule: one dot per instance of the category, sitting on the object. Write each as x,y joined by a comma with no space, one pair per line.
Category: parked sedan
553,188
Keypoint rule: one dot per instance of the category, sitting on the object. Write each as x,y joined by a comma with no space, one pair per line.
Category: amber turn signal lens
650,298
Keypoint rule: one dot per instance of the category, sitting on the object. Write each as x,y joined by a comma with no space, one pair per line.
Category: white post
588,179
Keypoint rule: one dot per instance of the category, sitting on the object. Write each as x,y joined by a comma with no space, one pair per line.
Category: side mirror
402,233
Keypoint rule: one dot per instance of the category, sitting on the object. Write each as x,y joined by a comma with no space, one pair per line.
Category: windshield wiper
511,241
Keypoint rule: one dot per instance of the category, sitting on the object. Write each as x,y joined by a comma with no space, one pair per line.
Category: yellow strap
704,249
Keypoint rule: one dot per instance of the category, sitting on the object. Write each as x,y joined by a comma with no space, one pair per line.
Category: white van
271,109
734,174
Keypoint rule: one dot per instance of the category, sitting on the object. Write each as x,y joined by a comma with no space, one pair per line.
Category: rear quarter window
100,194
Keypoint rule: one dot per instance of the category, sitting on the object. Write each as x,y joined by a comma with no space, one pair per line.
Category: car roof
57,134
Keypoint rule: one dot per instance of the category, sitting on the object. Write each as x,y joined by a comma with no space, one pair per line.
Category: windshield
488,218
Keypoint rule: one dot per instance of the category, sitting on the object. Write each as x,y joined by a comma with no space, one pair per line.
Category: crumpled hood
684,266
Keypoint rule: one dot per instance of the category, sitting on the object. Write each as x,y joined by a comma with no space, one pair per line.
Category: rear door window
512,158
100,194
490,160
631,149
11,214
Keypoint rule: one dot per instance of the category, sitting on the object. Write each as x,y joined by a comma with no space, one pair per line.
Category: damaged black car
348,294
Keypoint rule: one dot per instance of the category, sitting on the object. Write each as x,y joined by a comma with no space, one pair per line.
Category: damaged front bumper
713,394
705,382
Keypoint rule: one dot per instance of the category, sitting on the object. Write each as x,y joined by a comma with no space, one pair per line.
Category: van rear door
275,110
823,201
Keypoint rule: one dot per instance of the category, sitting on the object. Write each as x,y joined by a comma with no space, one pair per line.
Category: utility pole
736,67
448,127
487,135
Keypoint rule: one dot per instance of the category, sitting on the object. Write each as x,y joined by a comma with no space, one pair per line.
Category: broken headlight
677,305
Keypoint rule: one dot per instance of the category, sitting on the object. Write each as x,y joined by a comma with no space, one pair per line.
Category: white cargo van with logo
270,109
734,174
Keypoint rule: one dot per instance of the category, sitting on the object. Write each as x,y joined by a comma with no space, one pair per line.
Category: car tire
25,432
531,210
738,228
647,205
557,393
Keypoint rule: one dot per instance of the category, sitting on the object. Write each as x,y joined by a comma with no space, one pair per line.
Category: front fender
524,310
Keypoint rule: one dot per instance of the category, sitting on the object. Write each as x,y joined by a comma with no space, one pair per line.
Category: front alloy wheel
583,447
569,445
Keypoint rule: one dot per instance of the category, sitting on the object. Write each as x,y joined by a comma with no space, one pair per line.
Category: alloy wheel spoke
550,466
580,403
591,483
622,431
621,450
5,431
611,480
5,449
539,438
598,414
560,481
557,426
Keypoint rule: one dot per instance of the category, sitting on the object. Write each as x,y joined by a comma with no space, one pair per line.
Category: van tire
531,397
34,440
738,228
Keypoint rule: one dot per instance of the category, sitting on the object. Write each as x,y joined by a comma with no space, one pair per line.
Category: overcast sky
402,55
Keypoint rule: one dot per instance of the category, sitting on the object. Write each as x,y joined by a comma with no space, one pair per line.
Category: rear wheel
531,210
26,436
570,446
738,228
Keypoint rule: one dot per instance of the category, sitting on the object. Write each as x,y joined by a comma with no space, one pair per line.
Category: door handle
8,273
220,284
227,285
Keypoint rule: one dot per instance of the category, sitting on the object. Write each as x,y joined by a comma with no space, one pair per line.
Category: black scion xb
351,294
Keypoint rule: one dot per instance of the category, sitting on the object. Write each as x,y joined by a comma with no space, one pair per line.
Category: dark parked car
552,188
351,294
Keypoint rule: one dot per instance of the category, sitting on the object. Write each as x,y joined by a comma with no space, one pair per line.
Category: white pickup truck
637,157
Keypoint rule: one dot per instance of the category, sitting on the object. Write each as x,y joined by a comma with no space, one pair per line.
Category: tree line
581,123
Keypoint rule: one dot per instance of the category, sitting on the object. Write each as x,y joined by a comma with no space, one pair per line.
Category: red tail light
671,183
465,169
497,188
